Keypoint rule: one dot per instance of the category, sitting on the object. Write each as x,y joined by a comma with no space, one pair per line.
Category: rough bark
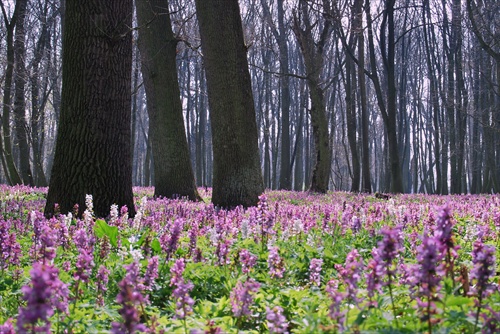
237,178
92,154
173,173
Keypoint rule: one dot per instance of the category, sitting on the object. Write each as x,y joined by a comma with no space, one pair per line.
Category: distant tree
237,178
485,23
21,138
10,169
280,34
386,102
173,174
313,54
92,154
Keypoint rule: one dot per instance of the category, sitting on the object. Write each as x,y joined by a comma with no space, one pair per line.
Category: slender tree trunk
200,138
351,121
365,152
38,103
312,53
173,173
11,171
19,100
387,106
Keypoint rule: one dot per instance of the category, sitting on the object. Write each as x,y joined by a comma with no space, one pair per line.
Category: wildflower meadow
296,263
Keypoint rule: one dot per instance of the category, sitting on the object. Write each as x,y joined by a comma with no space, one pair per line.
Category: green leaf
457,301
101,229
143,238
155,245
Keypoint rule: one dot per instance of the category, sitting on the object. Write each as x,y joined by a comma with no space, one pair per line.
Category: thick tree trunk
93,142
237,178
174,175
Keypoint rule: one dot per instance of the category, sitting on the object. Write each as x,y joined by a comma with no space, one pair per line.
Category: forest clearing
296,263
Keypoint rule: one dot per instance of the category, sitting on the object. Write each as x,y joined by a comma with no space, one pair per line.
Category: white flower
137,219
89,202
244,229
214,237
136,254
298,226
113,213
133,239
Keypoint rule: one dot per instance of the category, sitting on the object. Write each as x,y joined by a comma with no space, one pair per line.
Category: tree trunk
237,178
200,138
92,153
350,89
19,100
312,53
174,175
365,155
10,171
38,103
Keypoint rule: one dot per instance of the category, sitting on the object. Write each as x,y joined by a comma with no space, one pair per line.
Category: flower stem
392,301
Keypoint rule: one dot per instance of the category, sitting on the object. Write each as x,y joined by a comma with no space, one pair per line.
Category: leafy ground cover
297,263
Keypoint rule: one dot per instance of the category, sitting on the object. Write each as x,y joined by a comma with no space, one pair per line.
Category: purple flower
151,272
387,252
242,297
276,321
314,271
483,259
7,327
193,237
265,217
222,252
356,224
10,250
247,260
430,268
351,273
444,228
275,263
169,242
373,280
48,239
338,299
82,240
183,302
45,293
102,284
176,272
491,321
84,265
427,276
130,298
